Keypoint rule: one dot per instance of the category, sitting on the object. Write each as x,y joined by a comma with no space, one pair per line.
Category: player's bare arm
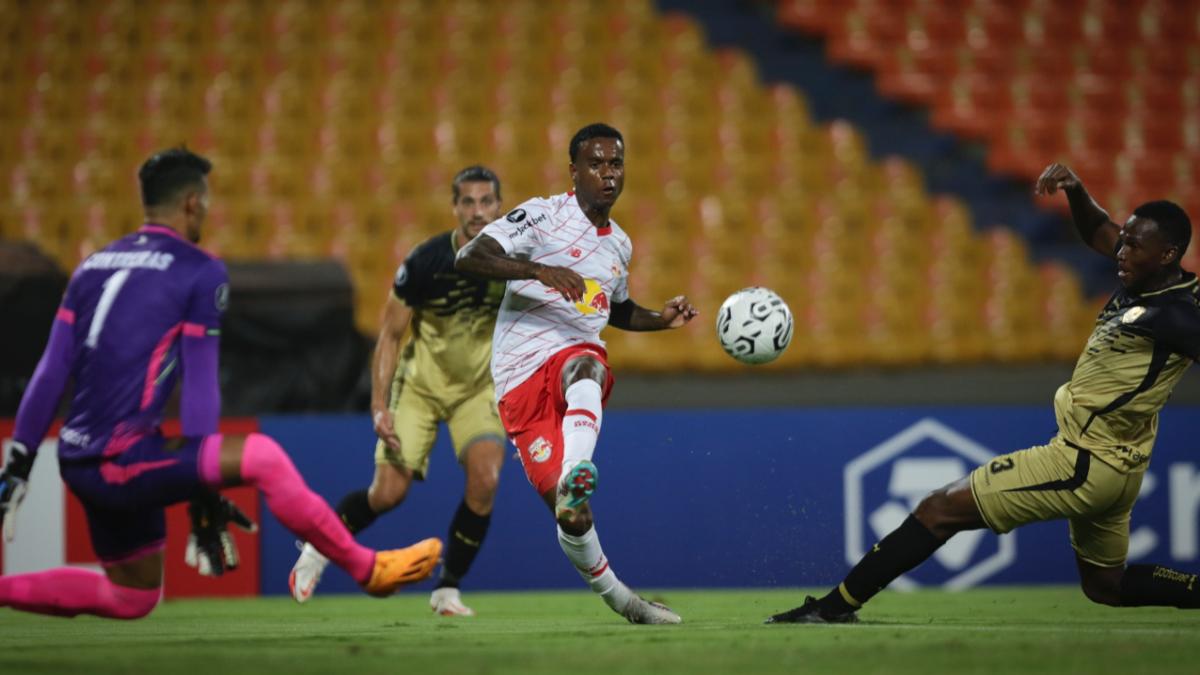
1092,221
484,257
397,317
630,316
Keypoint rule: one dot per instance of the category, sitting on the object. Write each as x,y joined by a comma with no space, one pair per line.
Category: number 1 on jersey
112,286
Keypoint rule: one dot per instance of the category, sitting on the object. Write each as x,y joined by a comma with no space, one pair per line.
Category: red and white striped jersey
534,320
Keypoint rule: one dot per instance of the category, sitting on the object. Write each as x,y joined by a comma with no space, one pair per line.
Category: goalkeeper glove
210,547
14,482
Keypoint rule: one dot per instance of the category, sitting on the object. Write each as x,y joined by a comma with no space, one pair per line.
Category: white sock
585,554
581,423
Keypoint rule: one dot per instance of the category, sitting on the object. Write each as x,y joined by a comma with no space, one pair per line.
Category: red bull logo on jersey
595,300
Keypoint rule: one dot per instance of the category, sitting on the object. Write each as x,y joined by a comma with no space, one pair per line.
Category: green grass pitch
1017,630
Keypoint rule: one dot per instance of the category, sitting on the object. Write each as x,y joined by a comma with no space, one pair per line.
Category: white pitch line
1122,630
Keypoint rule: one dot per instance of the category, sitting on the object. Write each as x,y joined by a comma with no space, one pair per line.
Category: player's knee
389,487
1102,588
482,485
263,457
384,498
481,498
931,508
933,511
1101,593
583,368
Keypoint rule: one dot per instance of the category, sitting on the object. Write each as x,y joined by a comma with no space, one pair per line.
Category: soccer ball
754,325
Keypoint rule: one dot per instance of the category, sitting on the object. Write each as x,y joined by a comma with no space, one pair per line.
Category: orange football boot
403,566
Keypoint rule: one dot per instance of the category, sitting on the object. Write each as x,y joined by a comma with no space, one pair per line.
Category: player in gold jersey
441,375
1091,471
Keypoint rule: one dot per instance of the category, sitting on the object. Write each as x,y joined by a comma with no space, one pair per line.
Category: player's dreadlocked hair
597,130
170,172
1172,221
475,174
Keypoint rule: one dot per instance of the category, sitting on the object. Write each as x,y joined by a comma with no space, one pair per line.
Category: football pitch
1025,630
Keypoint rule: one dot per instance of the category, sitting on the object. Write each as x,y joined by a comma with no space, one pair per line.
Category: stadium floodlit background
870,160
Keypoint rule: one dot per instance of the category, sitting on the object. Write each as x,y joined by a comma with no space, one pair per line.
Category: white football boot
306,573
644,611
447,601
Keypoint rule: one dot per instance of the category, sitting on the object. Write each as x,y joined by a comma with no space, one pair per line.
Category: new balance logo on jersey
576,252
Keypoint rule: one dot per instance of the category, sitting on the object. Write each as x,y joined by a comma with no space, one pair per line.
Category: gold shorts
1055,481
416,419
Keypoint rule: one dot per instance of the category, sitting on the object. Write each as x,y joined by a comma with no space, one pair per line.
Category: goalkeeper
139,318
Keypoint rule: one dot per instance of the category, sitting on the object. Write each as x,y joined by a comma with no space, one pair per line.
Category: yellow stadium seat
335,128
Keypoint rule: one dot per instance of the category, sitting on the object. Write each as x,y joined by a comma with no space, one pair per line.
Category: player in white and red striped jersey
567,267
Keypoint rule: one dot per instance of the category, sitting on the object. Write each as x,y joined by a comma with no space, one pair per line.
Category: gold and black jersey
1141,346
448,356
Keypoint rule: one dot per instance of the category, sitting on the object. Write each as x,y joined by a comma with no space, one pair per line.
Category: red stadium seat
1053,25
971,106
1038,93
1095,132
914,76
988,61
1155,96
1175,60
1023,148
1161,134
814,16
941,24
1111,23
865,36
1096,93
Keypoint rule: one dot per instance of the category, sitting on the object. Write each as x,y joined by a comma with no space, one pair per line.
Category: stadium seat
336,126
1101,62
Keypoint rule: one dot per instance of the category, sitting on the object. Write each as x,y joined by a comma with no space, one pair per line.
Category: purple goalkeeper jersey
135,316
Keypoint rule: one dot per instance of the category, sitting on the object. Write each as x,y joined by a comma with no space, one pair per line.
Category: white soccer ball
754,325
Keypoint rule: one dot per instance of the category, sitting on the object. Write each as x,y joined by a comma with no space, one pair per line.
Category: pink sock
70,591
267,467
210,461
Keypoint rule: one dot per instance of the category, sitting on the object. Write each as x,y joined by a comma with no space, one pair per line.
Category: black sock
906,547
1144,585
355,511
466,536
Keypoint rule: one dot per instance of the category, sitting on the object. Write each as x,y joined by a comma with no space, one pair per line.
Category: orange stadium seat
1122,73
336,126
